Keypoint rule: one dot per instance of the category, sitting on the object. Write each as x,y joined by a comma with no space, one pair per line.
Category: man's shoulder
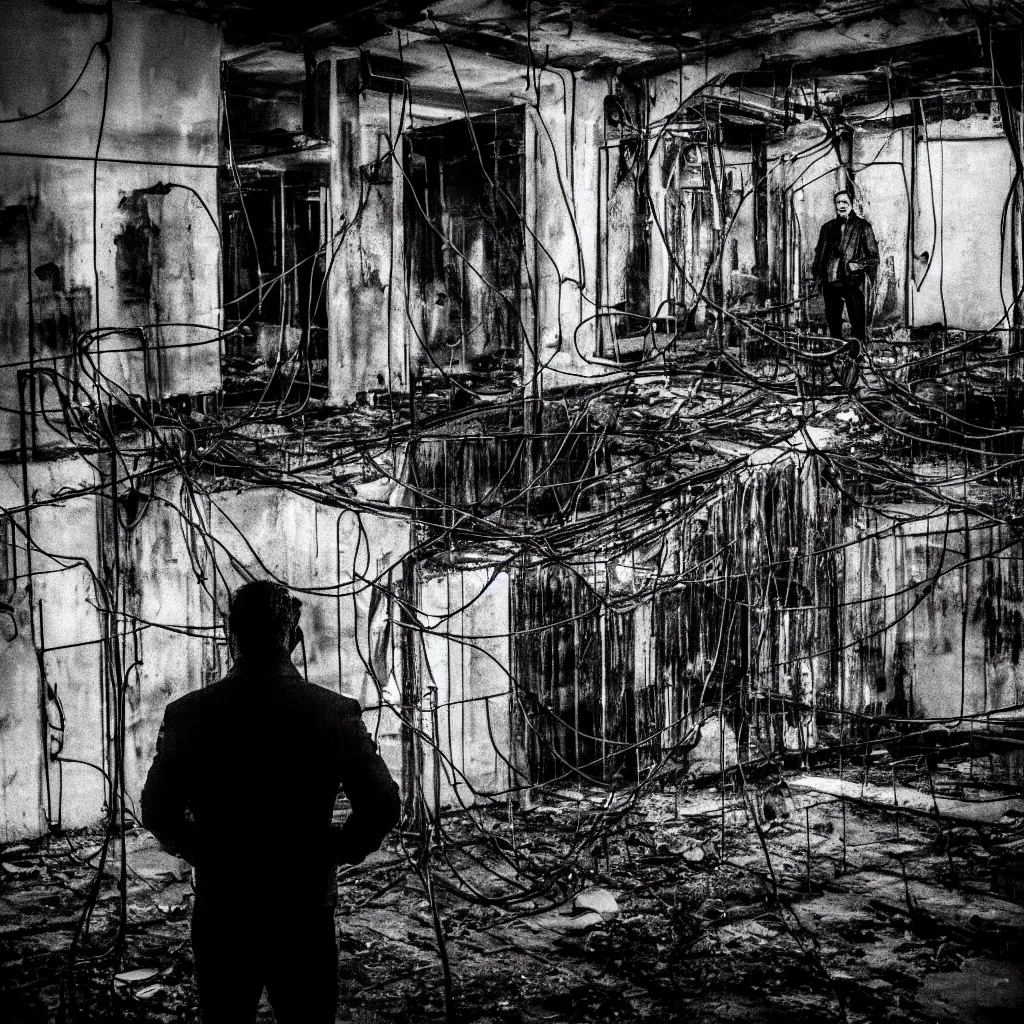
331,701
189,704
220,695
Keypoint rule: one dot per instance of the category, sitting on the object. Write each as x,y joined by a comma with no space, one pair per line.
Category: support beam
365,338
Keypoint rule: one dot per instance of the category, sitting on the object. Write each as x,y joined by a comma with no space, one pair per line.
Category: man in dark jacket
243,787
845,259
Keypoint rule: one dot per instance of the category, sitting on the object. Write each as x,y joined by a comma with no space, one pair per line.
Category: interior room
632,396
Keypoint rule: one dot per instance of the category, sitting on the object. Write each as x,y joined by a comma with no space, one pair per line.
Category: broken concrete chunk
597,900
582,923
155,865
21,870
694,855
137,975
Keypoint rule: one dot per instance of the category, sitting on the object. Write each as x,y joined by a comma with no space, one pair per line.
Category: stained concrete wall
179,558
945,195
950,600
882,168
22,794
366,293
339,563
962,250
65,603
804,173
172,635
73,240
465,677
565,130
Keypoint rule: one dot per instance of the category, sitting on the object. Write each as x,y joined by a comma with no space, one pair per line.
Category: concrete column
342,331
365,334
562,140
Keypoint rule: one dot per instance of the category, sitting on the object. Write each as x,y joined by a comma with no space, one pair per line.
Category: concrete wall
366,294
964,170
22,793
171,592
564,134
956,174
465,656
882,171
804,172
952,604
71,226
65,603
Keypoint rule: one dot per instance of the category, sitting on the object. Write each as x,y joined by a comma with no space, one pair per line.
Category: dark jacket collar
273,667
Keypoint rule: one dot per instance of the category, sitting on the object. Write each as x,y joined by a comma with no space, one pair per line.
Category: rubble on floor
687,903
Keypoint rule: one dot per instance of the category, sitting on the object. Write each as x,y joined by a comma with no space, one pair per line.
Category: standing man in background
243,787
845,260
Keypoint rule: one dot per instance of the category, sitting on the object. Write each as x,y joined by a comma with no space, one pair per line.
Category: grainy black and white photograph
511,512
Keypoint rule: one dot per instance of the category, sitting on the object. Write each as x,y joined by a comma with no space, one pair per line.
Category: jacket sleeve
164,800
870,259
372,794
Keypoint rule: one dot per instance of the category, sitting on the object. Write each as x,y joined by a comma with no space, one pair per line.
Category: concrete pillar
563,136
365,334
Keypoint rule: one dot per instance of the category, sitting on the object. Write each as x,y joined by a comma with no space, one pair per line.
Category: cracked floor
810,909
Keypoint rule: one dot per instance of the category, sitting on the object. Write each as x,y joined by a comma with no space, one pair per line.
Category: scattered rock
21,870
599,901
155,865
134,977
583,923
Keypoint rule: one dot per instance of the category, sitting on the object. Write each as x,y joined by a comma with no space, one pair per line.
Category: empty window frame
275,269
624,227
464,240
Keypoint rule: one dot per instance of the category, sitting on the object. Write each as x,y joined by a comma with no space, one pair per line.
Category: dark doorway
464,239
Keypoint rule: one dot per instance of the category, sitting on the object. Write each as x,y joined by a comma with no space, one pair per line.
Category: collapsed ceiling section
770,67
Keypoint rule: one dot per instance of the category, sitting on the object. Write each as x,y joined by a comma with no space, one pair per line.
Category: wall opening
464,201
275,269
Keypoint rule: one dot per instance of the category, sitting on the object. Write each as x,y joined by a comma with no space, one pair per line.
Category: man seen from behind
243,787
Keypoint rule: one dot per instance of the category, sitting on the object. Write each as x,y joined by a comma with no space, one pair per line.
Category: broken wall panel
275,261
610,685
589,701
624,239
933,615
692,232
883,167
56,654
172,596
742,271
464,209
962,236
465,683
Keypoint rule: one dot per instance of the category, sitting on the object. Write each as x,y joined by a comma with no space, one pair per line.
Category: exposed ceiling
863,49
573,34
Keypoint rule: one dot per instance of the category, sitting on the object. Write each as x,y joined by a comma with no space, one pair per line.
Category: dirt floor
587,907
